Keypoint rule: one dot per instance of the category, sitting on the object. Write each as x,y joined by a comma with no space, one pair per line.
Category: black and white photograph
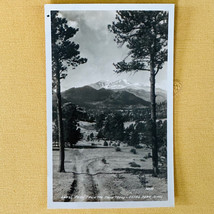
110,105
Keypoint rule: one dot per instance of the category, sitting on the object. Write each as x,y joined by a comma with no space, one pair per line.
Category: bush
138,147
104,160
133,164
114,144
143,180
118,149
148,156
91,136
133,151
105,143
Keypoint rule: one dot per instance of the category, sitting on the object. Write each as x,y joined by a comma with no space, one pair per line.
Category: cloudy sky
98,46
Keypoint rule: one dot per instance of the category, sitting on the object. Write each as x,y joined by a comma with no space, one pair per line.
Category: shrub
105,143
133,151
133,164
149,155
104,160
114,144
118,149
143,180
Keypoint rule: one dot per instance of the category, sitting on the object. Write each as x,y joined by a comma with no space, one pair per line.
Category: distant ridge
88,96
136,89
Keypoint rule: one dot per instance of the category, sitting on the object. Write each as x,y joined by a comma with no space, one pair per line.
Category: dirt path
86,187
88,174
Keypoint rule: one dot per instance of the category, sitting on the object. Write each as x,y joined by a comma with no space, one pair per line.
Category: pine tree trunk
60,125
153,122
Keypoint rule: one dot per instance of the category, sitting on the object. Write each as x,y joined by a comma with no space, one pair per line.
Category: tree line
111,127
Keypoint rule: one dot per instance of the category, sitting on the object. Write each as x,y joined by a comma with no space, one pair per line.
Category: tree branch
157,71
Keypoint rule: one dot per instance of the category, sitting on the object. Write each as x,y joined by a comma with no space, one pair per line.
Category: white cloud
98,46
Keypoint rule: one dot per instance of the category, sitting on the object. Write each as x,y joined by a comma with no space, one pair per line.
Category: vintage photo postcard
109,105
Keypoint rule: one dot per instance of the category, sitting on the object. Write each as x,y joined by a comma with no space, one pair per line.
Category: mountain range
117,94
137,89
102,98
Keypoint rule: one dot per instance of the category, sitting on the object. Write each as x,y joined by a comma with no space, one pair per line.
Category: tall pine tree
65,53
145,34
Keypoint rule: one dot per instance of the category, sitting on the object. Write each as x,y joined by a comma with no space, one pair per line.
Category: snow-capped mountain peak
118,84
